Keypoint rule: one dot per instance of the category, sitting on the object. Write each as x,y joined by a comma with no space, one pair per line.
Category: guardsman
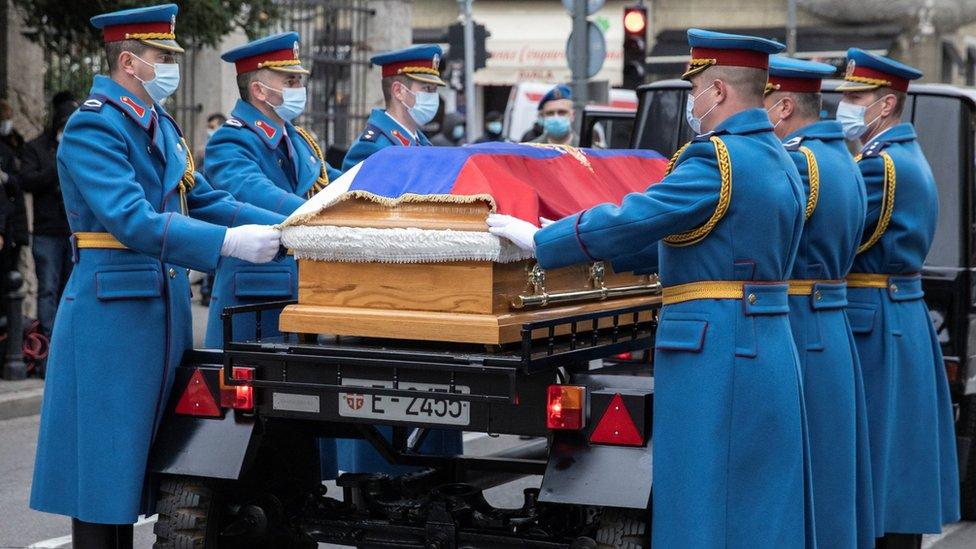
910,422
410,80
140,219
832,382
557,115
260,158
729,442
411,77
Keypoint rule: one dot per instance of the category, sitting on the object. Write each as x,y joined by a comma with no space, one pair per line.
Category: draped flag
525,181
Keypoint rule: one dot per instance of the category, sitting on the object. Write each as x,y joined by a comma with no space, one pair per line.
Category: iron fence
333,46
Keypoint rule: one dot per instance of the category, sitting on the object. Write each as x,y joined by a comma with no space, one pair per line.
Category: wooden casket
424,267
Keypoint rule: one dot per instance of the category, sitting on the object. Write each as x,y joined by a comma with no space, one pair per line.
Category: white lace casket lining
396,245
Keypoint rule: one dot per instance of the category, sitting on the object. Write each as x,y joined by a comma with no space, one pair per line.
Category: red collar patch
266,128
403,139
140,111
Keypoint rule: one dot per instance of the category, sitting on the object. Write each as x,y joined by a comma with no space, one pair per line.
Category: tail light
197,399
952,370
238,397
564,407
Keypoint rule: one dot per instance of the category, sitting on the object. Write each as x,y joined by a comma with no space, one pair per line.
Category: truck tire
967,431
196,513
185,507
624,528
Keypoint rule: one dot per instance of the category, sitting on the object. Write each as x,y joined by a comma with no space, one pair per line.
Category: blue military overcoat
381,131
259,162
729,444
910,421
124,320
359,456
832,381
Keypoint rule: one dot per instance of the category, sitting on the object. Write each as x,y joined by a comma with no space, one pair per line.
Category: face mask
851,118
59,135
6,127
292,102
494,128
210,132
424,108
165,82
770,109
458,132
693,120
556,126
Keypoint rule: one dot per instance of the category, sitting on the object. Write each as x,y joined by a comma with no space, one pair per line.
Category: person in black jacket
52,247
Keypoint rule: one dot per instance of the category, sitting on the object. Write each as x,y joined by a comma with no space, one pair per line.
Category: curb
21,403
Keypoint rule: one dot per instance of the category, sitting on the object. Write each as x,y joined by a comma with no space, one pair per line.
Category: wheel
624,528
967,431
195,513
186,514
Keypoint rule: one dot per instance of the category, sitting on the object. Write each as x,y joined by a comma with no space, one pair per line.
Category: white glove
254,243
521,233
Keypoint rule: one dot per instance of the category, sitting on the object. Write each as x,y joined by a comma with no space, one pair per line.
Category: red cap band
117,33
733,58
797,85
253,63
423,66
880,78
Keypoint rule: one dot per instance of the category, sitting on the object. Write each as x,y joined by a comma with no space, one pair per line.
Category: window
941,133
659,111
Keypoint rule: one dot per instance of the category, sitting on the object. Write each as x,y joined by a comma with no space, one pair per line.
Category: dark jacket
15,225
39,176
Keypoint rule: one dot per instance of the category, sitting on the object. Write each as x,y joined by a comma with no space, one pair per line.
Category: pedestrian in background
51,247
558,115
15,230
452,131
214,121
493,128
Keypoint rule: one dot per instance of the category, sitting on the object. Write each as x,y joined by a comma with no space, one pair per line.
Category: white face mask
6,127
165,81
694,121
851,118
770,109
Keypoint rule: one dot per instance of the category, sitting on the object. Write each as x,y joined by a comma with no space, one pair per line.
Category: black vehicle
239,459
945,120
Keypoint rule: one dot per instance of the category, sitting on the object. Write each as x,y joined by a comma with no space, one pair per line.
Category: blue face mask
165,82
458,132
694,121
851,118
556,126
292,102
494,128
425,106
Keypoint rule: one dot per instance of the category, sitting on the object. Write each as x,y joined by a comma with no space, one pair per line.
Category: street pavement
21,527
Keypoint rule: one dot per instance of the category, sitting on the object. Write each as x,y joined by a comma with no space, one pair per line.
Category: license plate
433,409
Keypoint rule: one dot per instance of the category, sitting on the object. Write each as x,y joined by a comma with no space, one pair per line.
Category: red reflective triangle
616,426
197,400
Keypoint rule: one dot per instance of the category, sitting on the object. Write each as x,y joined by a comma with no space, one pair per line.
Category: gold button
893,288
172,272
753,299
818,295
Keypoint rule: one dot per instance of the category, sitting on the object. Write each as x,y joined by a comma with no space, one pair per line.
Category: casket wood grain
462,301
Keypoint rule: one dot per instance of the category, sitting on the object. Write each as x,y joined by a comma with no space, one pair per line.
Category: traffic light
455,39
635,45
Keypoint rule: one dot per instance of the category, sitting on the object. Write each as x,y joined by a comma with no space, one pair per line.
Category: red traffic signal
635,20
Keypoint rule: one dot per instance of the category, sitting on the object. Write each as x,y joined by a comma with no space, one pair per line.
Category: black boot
899,541
91,535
